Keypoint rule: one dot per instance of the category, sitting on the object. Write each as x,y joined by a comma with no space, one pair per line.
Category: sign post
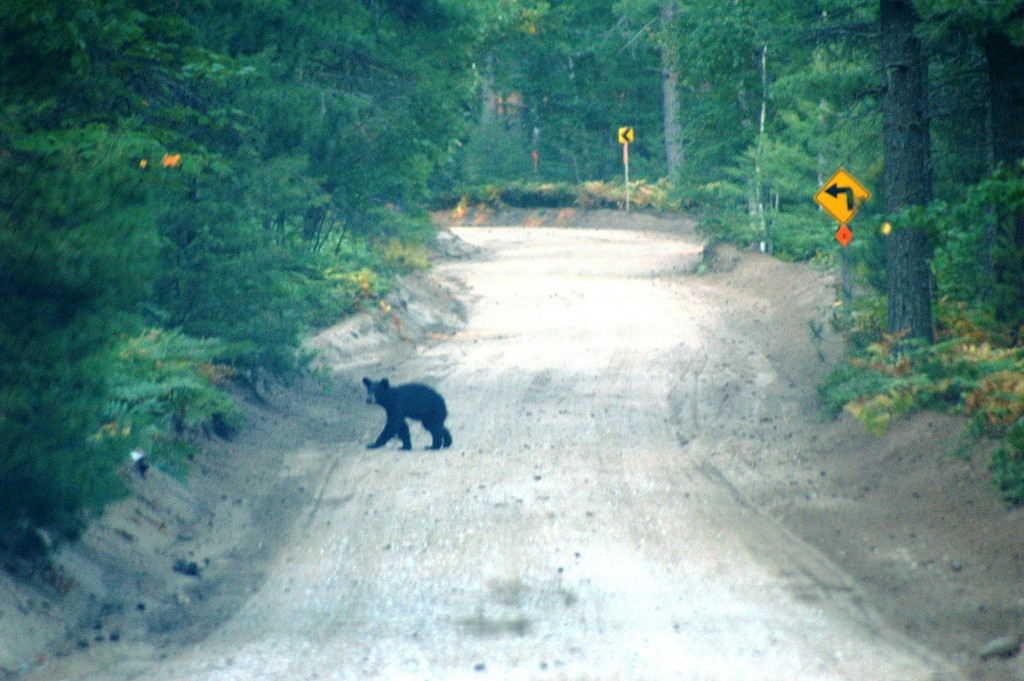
625,137
841,197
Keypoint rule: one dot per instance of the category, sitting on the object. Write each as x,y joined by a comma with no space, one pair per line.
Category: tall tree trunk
1006,83
761,225
907,177
670,91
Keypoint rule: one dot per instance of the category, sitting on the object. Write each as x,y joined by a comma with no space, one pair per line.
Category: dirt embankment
505,553
922,530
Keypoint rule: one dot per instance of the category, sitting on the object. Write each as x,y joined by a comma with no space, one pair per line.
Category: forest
187,189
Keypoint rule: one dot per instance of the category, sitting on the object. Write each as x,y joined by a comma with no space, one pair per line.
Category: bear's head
376,391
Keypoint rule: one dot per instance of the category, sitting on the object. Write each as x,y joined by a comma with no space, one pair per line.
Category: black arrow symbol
834,191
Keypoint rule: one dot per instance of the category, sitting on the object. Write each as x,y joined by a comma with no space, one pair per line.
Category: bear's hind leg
446,437
438,434
436,438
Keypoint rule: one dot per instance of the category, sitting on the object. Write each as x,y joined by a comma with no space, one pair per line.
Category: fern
967,374
168,387
850,383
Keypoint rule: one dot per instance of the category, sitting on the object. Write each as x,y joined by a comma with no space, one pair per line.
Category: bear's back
419,401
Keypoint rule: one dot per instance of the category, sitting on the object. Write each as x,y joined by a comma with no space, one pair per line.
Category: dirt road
596,517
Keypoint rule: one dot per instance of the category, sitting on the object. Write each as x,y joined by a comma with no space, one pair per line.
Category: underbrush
170,389
643,195
971,370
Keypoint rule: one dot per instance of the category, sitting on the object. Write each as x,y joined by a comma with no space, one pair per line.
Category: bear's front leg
390,429
403,432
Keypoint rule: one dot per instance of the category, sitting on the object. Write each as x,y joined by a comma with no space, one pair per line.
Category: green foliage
229,175
978,367
963,374
224,175
560,79
338,291
848,384
228,279
496,152
972,242
977,380
772,109
1007,464
74,245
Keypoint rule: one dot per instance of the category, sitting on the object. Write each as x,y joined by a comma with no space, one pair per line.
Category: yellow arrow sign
841,196
625,135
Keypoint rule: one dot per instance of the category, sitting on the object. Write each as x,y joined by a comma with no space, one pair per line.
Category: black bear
412,401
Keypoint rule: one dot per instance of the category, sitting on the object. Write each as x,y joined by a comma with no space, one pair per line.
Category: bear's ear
384,384
367,382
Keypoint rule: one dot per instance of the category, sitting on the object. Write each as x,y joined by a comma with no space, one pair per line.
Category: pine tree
907,169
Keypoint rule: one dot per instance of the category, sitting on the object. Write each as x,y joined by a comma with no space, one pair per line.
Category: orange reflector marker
844,235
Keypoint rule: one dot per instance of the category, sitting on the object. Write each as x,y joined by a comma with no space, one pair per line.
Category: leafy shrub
998,399
1007,464
863,323
334,292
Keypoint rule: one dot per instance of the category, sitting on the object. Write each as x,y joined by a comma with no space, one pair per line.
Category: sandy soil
641,487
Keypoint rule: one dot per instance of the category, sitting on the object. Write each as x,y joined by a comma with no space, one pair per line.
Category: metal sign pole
625,162
625,137
847,281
